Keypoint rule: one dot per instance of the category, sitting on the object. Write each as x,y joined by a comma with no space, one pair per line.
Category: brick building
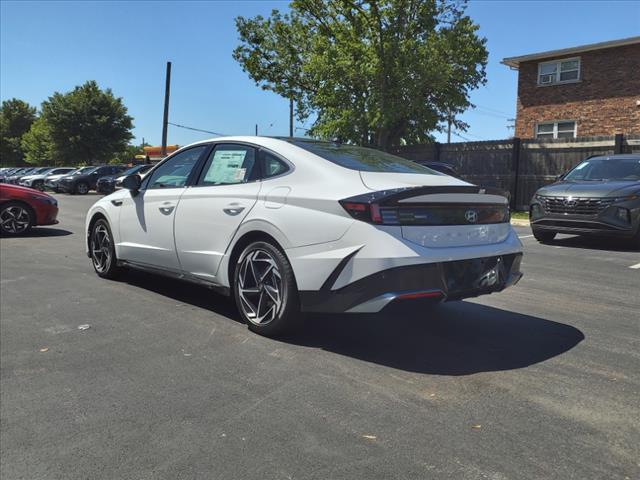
581,91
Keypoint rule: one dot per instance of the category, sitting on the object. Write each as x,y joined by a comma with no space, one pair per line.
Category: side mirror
132,182
560,177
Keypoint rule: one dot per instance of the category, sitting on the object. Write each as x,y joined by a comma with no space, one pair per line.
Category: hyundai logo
569,202
471,216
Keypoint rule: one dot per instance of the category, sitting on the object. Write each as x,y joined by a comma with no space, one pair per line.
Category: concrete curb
520,223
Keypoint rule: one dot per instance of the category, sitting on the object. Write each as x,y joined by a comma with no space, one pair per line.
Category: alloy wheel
15,219
82,188
101,248
260,287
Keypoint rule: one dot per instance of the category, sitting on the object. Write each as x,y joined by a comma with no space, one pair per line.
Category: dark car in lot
600,196
109,183
83,182
22,208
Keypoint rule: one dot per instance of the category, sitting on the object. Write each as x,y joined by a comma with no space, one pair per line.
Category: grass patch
520,215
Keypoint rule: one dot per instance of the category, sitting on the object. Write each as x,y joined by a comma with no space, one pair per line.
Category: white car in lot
38,181
285,225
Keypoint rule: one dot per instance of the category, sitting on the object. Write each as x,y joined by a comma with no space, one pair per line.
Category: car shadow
457,338
594,243
43,232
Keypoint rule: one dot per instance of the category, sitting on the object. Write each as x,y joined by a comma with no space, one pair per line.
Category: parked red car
22,208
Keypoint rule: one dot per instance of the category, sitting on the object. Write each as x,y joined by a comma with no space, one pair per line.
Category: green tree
378,72
87,125
128,154
16,117
37,145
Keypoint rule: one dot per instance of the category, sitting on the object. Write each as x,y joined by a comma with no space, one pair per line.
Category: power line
490,114
461,136
492,110
197,129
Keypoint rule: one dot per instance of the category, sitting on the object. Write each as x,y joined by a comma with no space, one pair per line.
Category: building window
556,130
560,71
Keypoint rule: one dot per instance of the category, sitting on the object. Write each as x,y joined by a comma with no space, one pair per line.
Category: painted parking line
636,266
524,236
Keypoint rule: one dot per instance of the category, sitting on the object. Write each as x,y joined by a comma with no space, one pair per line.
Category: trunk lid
436,211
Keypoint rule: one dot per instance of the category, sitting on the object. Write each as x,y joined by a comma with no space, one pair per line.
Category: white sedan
285,225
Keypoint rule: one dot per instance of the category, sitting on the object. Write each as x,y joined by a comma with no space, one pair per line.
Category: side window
272,165
229,164
174,172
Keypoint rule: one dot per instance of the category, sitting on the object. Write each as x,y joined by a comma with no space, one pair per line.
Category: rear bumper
440,281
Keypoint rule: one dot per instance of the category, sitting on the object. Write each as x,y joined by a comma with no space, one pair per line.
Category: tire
543,236
16,218
39,186
265,290
635,240
102,250
82,188
56,189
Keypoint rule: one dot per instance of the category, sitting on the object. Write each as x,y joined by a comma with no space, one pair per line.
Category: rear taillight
426,214
367,212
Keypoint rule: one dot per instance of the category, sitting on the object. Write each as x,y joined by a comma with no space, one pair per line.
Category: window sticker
226,167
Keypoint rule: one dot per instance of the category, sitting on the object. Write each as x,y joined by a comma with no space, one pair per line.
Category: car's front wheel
265,290
102,249
543,236
16,218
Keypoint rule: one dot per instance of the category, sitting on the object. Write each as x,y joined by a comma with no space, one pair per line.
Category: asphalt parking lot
541,381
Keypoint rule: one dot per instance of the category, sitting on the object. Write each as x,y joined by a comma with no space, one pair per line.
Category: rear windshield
362,159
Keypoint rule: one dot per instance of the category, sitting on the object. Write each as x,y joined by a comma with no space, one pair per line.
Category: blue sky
54,46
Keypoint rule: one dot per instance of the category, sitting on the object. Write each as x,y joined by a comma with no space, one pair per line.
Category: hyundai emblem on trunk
471,216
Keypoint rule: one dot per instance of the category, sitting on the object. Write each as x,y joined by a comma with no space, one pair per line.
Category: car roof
617,156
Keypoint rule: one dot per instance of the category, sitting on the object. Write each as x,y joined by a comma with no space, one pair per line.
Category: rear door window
229,164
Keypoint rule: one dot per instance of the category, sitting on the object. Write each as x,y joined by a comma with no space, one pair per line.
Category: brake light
367,212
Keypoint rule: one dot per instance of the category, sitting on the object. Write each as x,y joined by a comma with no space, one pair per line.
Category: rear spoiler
395,195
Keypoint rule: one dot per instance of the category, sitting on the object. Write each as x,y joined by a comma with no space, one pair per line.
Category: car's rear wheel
38,186
82,188
103,253
16,218
265,290
635,241
543,236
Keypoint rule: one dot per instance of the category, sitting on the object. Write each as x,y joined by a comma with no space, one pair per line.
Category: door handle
166,208
233,209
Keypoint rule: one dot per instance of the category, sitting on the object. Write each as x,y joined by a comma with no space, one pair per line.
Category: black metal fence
520,166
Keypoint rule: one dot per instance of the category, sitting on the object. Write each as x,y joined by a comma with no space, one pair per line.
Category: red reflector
375,213
410,296
358,207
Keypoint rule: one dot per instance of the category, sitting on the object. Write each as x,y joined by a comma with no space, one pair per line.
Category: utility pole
449,128
291,117
256,129
165,119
